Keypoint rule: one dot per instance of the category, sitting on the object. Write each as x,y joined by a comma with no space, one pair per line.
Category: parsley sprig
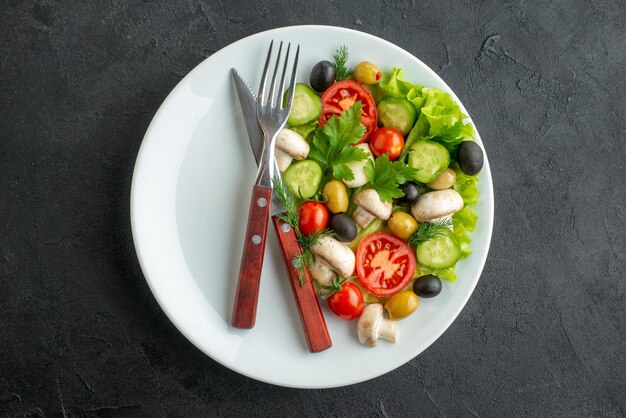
385,176
331,144
304,259
341,58
429,230
452,136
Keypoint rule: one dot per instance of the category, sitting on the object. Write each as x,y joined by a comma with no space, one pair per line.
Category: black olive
344,227
470,157
411,193
323,75
427,286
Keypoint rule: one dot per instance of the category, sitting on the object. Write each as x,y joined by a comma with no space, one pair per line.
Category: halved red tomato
341,95
384,263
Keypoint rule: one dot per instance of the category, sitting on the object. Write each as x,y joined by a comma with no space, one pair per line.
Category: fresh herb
290,215
331,144
385,177
304,258
452,136
429,230
341,58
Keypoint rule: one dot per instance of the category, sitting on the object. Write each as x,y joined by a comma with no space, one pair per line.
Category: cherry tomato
341,95
387,140
346,303
384,263
313,217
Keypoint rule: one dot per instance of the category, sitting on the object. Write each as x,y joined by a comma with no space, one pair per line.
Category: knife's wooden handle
313,322
247,294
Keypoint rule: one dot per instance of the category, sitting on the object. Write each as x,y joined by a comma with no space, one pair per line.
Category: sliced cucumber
440,252
397,113
303,178
305,130
307,105
429,159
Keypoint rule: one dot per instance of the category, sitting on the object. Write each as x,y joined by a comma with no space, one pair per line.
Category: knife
313,323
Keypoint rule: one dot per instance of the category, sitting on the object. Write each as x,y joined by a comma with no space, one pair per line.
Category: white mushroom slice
290,145
321,271
372,326
369,207
339,258
358,168
283,161
437,204
362,217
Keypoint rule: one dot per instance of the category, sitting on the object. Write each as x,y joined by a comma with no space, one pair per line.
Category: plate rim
142,259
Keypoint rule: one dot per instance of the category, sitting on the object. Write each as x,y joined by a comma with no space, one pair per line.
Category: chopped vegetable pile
382,175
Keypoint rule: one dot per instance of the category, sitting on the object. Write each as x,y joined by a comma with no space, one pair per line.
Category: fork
272,115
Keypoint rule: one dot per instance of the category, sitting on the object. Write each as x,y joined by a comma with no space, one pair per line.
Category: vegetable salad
382,180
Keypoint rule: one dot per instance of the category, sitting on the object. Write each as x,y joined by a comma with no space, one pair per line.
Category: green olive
445,180
402,305
402,224
367,73
336,196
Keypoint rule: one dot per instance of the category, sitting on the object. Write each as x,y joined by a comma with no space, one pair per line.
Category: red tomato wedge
385,264
341,95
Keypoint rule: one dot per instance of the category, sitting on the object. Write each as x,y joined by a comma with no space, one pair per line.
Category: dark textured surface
545,331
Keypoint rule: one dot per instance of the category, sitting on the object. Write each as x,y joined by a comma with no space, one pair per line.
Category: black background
543,334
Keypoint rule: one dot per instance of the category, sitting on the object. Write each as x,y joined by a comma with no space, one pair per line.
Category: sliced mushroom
372,326
321,271
437,204
358,168
289,145
333,255
370,207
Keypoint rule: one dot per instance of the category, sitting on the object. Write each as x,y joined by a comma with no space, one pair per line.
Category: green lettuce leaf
414,96
440,120
440,110
394,85
464,221
448,274
466,186
467,218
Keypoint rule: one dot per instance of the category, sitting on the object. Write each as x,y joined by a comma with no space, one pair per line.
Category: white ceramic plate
189,204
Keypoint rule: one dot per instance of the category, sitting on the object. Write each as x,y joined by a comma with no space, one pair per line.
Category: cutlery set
265,115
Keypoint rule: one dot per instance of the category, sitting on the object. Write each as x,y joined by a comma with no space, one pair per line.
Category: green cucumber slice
303,178
440,252
306,107
397,113
429,159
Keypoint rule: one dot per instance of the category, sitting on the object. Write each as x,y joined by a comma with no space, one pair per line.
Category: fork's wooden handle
247,294
313,322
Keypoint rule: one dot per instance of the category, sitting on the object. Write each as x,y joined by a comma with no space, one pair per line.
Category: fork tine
270,96
281,89
264,76
292,83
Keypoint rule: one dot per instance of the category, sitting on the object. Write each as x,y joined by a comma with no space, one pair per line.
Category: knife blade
247,100
313,323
